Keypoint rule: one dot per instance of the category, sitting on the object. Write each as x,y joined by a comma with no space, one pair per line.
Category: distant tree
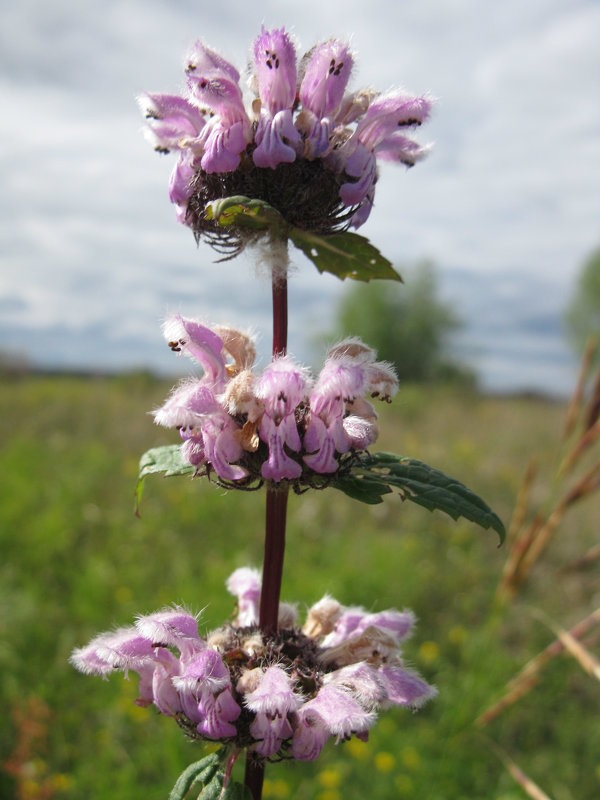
583,312
407,324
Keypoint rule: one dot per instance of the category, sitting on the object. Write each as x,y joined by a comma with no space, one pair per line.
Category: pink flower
300,116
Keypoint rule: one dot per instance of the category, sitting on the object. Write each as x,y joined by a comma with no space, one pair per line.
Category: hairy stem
276,509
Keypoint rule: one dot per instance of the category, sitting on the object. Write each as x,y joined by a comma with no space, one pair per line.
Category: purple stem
274,526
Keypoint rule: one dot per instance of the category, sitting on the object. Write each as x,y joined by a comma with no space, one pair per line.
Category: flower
305,144
280,424
282,695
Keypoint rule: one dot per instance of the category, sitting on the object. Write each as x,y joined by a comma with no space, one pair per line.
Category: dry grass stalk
521,544
522,503
530,787
593,410
528,677
574,408
584,487
592,555
586,660
586,440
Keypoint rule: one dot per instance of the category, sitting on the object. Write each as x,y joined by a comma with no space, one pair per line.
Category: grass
75,560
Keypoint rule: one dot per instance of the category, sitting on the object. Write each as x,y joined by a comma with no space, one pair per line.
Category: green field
75,561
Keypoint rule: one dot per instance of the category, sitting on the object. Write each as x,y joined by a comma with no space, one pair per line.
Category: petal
269,734
282,387
274,694
309,739
363,682
362,166
201,58
165,695
323,461
186,405
361,433
180,182
245,584
275,65
224,450
173,627
402,150
223,147
405,688
218,92
279,465
275,138
201,343
389,112
218,714
326,77
337,711
204,671
172,120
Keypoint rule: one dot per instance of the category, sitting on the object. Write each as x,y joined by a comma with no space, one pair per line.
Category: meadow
75,561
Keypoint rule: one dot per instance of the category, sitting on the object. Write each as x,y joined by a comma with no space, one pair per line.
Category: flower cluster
281,424
280,695
304,144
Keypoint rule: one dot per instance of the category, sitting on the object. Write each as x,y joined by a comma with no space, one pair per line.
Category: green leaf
236,791
246,213
165,459
345,255
202,771
377,474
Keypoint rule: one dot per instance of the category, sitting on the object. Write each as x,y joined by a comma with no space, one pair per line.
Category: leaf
247,213
200,771
345,255
165,459
363,487
237,791
377,474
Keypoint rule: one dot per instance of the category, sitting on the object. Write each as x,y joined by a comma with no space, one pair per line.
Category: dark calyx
305,193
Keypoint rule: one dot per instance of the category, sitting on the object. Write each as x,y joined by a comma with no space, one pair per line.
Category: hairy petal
405,688
173,627
245,584
274,694
388,113
325,78
200,343
173,123
275,66
201,58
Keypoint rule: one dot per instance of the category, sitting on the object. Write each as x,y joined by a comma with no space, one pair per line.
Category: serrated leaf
246,212
166,459
200,771
363,487
379,473
237,791
345,255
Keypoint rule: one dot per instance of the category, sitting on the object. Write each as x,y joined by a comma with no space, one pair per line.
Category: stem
253,777
280,314
273,564
276,509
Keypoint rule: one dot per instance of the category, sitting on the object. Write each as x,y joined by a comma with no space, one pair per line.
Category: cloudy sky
507,206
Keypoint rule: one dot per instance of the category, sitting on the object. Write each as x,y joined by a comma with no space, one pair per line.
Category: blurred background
506,208
497,236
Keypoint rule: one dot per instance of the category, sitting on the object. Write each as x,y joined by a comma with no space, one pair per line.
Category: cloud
90,245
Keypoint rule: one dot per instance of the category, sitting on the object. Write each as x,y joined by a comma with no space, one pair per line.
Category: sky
507,206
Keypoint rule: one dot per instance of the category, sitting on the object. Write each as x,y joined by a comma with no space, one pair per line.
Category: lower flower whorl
280,696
